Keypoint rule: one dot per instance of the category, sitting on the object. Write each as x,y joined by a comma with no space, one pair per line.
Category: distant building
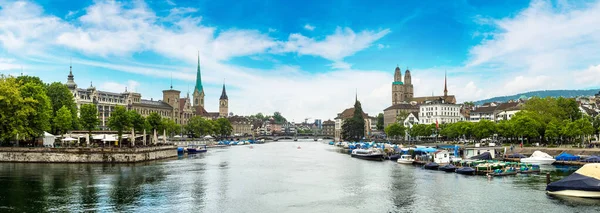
242,126
329,128
347,114
392,113
319,123
439,112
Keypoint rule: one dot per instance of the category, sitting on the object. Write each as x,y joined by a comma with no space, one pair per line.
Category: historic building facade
439,112
172,106
329,128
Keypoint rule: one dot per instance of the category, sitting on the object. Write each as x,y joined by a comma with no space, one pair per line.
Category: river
272,177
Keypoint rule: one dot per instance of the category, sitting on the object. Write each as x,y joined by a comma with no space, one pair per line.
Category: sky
305,59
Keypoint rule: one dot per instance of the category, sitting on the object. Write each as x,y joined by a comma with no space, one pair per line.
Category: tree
395,130
526,126
484,129
154,122
402,115
119,120
24,79
380,122
36,105
63,121
223,127
60,96
553,131
12,116
279,119
138,122
353,128
198,126
88,117
260,116
170,127
505,128
584,126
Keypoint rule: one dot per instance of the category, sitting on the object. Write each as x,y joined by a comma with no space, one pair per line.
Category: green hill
542,93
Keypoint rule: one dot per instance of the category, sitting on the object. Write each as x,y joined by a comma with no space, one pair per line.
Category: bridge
281,137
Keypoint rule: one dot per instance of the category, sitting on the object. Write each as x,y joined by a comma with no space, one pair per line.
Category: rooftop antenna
171,80
21,70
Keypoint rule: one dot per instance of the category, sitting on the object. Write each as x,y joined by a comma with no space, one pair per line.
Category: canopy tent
591,159
69,139
483,156
564,156
587,178
48,139
516,155
425,149
208,137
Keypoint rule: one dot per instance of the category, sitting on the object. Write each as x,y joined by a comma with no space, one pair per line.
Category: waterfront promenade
86,155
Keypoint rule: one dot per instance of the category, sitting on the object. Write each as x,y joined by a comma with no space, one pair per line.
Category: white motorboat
585,182
405,159
539,158
367,154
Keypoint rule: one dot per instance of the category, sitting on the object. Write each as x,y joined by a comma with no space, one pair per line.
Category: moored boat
405,159
192,149
431,166
466,171
539,158
585,182
447,168
367,154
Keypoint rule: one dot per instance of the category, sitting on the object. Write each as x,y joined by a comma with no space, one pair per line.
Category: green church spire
198,76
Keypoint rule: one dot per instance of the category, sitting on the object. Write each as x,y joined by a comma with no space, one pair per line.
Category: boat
367,154
585,182
192,149
539,158
405,159
465,171
528,169
504,172
431,166
447,168
394,157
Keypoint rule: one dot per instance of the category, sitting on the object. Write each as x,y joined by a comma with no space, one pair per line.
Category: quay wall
85,155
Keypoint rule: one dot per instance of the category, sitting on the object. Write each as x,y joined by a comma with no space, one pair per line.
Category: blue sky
305,58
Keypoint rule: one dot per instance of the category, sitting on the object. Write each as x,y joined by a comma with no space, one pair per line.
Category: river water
272,177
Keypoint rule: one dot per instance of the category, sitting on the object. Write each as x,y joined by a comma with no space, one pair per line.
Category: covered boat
405,159
447,168
394,157
567,157
585,182
465,171
539,158
591,159
516,155
431,166
483,156
192,149
367,154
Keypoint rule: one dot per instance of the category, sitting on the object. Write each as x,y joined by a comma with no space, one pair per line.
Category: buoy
251,147
299,148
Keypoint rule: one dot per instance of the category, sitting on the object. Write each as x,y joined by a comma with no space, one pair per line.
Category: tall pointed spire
171,80
198,77
224,93
445,84
356,94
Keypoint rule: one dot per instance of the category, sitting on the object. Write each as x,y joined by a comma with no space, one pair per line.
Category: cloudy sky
305,58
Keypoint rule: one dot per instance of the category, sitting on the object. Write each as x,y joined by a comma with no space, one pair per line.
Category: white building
439,111
441,157
411,120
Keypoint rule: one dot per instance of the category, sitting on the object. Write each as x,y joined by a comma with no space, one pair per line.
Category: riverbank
555,151
85,155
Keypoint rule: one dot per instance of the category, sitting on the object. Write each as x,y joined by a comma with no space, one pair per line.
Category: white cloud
170,2
381,46
272,30
340,65
8,64
589,76
309,27
118,87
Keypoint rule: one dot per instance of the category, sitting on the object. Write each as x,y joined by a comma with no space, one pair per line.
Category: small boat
431,166
585,182
447,168
465,171
405,159
528,169
192,149
539,158
500,172
394,157
367,154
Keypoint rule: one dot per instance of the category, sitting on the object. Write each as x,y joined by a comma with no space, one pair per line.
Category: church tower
223,103
398,88
445,85
71,79
408,93
198,90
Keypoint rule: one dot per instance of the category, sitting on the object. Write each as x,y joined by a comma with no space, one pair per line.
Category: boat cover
516,155
540,154
587,178
483,156
567,157
592,159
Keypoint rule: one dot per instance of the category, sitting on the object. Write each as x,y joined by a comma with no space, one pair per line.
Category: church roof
153,104
397,83
223,94
402,106
199,77
349,113
447,99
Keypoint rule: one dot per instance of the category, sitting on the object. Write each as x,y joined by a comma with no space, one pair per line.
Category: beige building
242,126
329,128
347,114
394,112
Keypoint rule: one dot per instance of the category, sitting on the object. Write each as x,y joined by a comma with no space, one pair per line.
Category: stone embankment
85,155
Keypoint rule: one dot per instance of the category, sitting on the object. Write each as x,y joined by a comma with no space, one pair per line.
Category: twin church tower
401,91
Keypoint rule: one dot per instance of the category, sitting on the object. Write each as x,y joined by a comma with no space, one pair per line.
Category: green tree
353,128
380,122
584,126
553,131
505,129
24,79
484,129
279,119
36,105
120,121
61,96
402,115
88,118
569,108
138,122
12,115
223,127
170,127
395,131
154,122
198,126
526,126
63,120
